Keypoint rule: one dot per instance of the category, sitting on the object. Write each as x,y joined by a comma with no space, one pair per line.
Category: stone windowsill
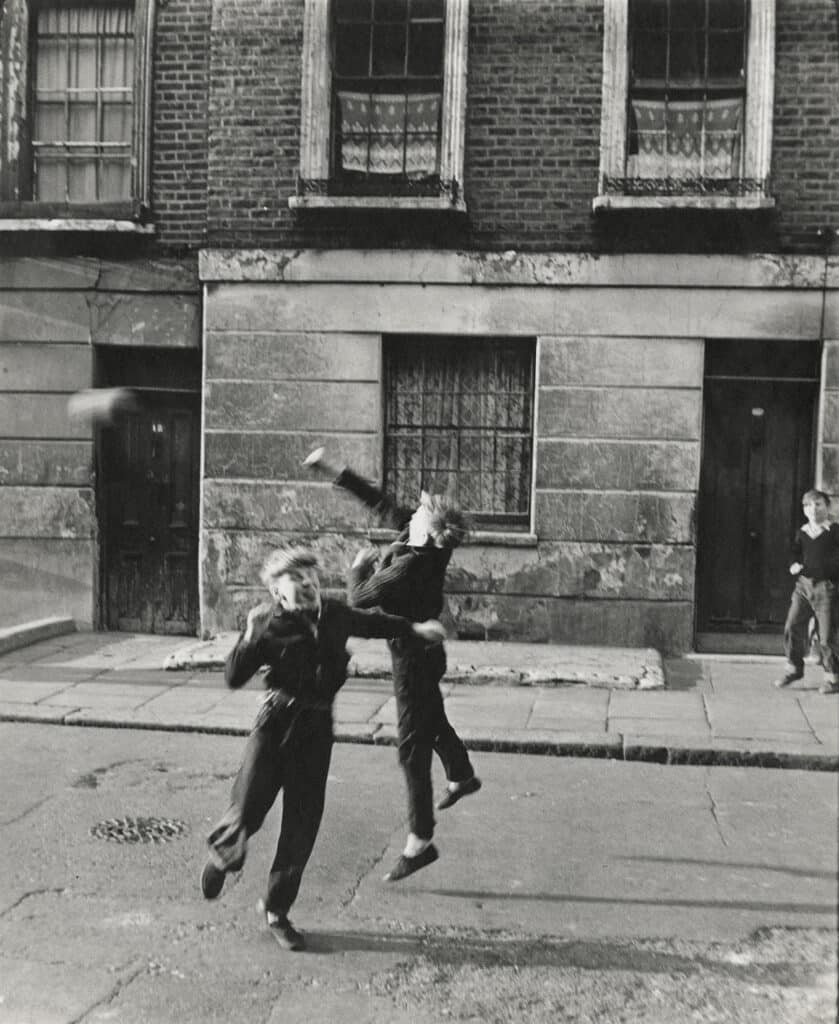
74,224
687,202
478,538
319,202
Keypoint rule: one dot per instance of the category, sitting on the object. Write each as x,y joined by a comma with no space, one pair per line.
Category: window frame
132,214
515,524
614,132
314,188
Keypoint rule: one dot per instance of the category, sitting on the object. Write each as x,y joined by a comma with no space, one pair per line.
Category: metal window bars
459,418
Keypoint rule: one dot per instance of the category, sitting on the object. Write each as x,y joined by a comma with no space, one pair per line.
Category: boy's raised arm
373,622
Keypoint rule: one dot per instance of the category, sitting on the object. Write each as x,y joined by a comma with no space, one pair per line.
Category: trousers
289,749
818,599
423,728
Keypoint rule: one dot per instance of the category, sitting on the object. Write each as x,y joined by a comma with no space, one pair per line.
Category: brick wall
532,139
179,148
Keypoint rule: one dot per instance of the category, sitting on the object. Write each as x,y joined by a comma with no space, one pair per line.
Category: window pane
389,50
687,14
649,55
49,121
115,183
427,9
649,14
352,50
687,55
82,122
81,181
727,13
390,10
425,53
52,180
354,10
116,122
725,55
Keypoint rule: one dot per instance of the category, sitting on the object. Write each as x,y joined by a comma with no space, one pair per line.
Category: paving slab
23,692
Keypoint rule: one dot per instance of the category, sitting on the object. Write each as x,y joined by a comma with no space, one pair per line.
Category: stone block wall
52,314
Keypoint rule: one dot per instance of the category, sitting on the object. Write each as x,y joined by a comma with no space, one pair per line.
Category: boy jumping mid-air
409,582
302,638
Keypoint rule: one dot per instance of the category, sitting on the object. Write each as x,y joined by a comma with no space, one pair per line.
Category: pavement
562,700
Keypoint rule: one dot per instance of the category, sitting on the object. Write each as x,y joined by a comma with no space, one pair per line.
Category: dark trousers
423,728
290,749
819,600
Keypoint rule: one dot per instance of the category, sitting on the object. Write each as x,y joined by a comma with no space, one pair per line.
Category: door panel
756,464
150,493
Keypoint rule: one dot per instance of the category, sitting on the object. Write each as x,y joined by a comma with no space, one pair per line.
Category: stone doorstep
211,655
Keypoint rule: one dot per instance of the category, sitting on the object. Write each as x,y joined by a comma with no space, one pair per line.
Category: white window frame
760,92
31,215
315,115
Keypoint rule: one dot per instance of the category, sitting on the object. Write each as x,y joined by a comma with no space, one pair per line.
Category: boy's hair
447,524
814,495
284,560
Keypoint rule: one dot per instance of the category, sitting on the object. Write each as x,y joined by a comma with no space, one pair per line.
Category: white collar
814,530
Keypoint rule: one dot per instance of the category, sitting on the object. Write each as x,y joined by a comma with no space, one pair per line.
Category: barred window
83,104
459,422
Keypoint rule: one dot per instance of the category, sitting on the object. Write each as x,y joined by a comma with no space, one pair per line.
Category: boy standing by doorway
302,638
815,563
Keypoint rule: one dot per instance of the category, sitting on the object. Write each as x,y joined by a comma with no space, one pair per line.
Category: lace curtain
687,139
390,133
83,105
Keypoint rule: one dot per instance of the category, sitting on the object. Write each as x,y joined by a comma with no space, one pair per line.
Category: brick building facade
643,356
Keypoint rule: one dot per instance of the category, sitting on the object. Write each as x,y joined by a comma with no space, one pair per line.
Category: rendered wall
52,313
292,360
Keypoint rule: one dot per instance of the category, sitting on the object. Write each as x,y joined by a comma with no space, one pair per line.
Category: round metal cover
140,830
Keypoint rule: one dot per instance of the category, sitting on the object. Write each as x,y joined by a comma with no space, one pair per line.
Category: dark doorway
148,494
757,461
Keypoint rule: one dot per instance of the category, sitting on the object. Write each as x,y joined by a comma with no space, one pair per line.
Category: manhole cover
140,830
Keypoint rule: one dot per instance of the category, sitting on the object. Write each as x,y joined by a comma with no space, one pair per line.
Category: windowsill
687,202
316,202
75,224
478,538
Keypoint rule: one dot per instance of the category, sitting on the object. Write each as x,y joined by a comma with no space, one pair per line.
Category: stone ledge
14,637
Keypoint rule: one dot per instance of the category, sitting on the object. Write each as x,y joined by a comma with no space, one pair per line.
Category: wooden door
149,486
756,464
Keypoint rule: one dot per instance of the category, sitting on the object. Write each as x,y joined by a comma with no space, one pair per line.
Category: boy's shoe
282,929
787,678
829,686
464,789
212,881
408,865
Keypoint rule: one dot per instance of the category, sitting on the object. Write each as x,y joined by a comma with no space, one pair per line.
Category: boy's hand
315,460
795,568
431,631
366,560
258,621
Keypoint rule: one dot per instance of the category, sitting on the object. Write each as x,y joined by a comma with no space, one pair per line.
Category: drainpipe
827,235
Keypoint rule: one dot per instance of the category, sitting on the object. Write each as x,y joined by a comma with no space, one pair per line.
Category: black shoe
212,881
408,865
465,789
282,929
787,678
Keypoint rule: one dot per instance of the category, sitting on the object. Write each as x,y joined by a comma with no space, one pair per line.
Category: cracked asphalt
567,890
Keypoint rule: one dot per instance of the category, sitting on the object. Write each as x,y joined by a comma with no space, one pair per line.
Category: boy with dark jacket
815,564
409,581
302,638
